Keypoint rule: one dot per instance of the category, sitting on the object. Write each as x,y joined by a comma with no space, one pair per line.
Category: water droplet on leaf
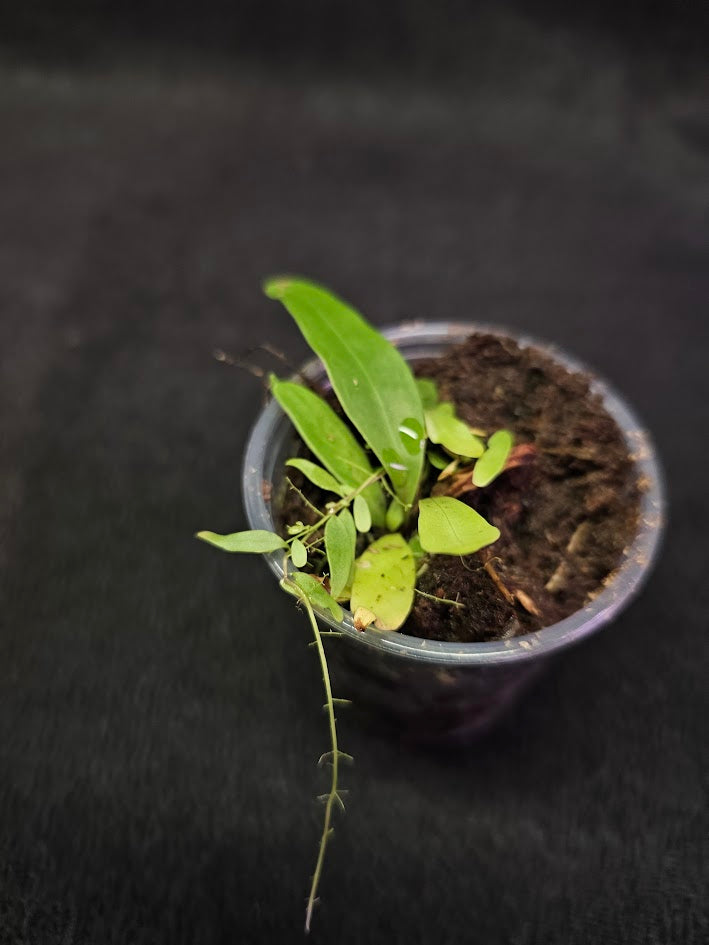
412,436
395,467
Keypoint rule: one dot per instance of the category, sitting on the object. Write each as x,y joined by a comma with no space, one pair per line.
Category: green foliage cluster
376,490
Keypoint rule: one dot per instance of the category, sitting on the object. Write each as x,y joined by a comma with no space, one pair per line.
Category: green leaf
346,518
340,549
318,476
415,546
384,581
257,541
395,516
450,527
445,428
493,460
298,553
330,439
428,392
437,459
316,593
372,380
362,518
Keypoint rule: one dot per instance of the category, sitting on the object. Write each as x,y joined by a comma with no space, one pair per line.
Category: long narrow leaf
328,437
340,549
318,476
256,541
370,377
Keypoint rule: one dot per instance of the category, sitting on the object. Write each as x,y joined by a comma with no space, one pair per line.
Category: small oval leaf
362,517
318,476
395,516
445,428
298,553
256,541
493,460
340,550
385,575
450,527
415,546
362,618
437,459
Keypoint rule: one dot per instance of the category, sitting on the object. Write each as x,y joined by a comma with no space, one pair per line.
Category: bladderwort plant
376,489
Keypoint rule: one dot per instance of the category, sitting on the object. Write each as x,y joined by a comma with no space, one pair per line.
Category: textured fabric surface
159,706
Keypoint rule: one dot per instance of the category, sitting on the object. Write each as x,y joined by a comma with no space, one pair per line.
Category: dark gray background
159,707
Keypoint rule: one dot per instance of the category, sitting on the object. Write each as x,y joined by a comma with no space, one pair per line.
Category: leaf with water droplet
330,439
445,428
384,581
412,436
395,466
450,527
385,390
493,460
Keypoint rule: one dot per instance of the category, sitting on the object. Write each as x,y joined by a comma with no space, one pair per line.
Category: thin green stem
439,600
303,497
333,797
336,506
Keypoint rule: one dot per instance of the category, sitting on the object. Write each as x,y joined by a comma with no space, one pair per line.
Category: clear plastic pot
436,690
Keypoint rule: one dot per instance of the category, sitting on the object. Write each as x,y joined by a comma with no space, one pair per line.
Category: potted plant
478,501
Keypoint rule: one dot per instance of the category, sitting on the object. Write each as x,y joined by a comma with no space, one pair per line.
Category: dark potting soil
566,506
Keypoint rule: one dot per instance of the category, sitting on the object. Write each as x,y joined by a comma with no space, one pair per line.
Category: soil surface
566,506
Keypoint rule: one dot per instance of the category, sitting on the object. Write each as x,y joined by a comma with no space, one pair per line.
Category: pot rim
622,585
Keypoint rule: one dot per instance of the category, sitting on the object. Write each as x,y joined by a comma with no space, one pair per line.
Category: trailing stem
333,797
